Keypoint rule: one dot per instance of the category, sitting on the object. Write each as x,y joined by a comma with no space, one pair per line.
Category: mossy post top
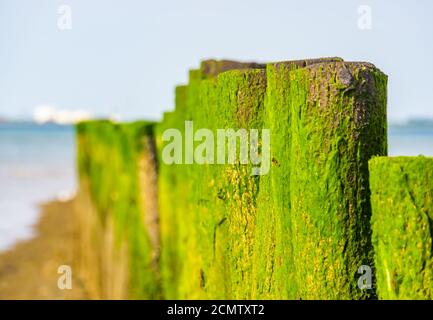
400,160
385,172
385,169
342,73
212,68
295,64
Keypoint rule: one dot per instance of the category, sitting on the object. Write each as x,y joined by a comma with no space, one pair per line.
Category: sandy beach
29,269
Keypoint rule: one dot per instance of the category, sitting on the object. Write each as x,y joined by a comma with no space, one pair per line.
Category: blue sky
125,57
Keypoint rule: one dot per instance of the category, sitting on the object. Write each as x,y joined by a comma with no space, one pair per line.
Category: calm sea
37,164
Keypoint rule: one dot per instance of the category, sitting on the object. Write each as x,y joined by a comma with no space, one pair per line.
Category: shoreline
28,269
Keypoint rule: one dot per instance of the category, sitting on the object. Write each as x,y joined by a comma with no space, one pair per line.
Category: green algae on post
170,187
115,161
221,94
273,269
240,101
402,222
338,122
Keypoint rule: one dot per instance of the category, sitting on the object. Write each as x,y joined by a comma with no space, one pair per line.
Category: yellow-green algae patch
402,222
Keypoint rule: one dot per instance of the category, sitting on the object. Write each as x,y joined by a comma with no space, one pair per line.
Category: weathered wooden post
338,122
273,265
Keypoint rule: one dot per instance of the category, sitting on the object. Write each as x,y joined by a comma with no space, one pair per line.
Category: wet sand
29,269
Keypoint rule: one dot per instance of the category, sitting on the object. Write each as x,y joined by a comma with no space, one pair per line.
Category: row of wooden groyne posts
331,210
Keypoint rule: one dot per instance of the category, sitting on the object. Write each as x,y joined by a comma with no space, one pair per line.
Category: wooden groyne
289,221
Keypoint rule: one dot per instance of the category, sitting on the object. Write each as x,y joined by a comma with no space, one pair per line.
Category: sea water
37,164
410,140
